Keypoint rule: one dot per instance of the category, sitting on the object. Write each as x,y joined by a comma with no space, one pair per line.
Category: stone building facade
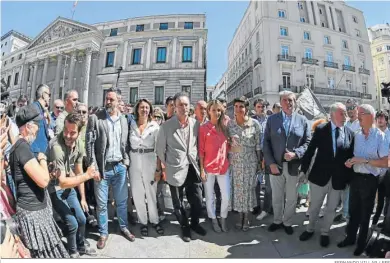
146,57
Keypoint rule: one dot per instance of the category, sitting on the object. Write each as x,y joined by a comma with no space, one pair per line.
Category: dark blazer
98,125
326,165
276,142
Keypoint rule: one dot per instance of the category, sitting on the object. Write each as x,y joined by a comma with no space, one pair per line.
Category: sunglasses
82,112
351,107
59,108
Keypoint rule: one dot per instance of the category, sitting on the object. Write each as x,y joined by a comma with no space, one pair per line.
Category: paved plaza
256,243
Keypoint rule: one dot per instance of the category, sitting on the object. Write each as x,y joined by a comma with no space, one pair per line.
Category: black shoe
131,219
306,236
256,210
198,229
273,227
380,225
338,218
186,233
345,243
324,241
358,251
289,230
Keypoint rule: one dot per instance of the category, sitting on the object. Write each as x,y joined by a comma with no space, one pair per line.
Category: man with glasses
71,100
58,108
41,142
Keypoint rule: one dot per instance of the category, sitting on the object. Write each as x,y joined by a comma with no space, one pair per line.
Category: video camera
385,90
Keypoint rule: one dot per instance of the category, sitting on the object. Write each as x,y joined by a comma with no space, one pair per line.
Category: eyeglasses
82,112
59,108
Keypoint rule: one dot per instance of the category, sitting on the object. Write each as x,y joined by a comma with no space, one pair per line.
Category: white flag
310,105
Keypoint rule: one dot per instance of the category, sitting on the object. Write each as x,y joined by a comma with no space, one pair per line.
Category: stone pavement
256,243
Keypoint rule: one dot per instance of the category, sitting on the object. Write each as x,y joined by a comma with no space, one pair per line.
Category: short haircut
179,95
222,101
261,101
382,113
75,118
40,90
170,98
276,105
117,91
335,106
242,100
286,93
67,94
368,109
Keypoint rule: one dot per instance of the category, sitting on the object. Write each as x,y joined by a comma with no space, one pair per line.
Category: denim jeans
114,175
72,214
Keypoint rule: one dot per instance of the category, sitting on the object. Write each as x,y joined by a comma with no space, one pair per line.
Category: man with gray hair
330,146
370,153
286,137
42,96
71,100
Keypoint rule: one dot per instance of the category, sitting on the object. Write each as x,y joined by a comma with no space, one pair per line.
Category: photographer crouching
66,156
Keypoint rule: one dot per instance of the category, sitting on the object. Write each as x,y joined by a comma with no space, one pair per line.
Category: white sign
55,50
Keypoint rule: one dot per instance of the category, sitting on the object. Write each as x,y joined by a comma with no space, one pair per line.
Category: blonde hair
220,124
316,123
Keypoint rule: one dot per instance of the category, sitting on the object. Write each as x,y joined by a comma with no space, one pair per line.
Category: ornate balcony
289,88
257,62
328,64
287,58
364,71
337,92
348,68
367,96
310,61
258,90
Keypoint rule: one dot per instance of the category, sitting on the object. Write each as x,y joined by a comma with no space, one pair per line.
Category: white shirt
354,126
146,140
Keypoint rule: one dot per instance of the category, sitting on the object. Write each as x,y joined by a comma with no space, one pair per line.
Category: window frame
113,30
107,59
165,55
360,48
329,54
183,60
283,29
140,28
157,102
302,19
16,78
346,44
163,28
310,53
283,48
347,60
137,95
283,12
306,33
327,40
133,56
187,23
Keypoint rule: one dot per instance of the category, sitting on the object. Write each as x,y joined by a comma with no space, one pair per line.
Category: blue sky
31,18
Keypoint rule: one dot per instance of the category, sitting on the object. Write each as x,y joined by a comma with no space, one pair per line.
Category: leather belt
141,151
113,163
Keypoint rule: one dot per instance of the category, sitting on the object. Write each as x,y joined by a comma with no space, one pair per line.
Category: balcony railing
257,62
367,96
289,88
337,92
287,58
249,95
329,64
258,90
364,71
241,77
310,61
348,68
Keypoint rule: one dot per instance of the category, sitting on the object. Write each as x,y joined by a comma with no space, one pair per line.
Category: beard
110,108
30,137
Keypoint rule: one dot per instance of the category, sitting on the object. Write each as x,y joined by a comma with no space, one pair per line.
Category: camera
385,90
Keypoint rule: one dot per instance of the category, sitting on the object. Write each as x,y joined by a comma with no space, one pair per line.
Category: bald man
58,107
201,112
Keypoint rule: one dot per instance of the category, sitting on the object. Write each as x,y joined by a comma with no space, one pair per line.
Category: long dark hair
136,114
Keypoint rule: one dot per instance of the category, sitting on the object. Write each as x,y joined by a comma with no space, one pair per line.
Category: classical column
34,80
124,54
200,56
317,13
45,66
329,17
149,50
87,71
71,70
310,12
57,80
334,14
174,47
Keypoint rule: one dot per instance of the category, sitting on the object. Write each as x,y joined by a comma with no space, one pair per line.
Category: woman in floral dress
245,161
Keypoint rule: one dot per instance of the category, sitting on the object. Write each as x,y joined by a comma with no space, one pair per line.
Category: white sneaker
262,215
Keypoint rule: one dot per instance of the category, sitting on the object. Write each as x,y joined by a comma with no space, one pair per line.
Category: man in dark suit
328,176
286,137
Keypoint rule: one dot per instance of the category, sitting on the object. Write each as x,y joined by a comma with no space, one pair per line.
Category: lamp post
119,73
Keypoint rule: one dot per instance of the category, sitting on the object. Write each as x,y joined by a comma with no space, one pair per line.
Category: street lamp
119,73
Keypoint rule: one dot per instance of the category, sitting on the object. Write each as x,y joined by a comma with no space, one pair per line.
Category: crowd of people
68,165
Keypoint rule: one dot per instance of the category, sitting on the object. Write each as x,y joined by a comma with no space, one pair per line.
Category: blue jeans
114,175
346,202
71,213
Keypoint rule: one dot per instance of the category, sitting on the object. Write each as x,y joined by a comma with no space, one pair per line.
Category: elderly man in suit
286,137
177,149
109,129
333,142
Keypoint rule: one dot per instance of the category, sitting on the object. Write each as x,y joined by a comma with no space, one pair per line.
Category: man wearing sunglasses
71,100
57,109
